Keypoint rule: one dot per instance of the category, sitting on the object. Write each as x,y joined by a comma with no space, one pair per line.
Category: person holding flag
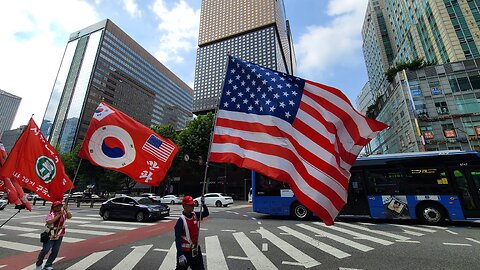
55,222
187,230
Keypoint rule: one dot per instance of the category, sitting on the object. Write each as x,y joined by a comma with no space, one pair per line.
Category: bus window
423,181
384,181
475,173
463,189
265,186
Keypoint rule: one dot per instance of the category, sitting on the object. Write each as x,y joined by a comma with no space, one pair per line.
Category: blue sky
33,35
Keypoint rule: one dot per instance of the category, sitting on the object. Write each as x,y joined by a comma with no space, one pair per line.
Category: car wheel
299,211
430,214
218,204
106,215
140,216
172,202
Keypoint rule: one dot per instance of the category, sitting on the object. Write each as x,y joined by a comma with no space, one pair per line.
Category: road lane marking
320,245
387,234
32,266
408,241
412,233
294,253
88,218
215,256
127,223
65,239
89,260
239,258
89,232
457,244
21,229
258,259
451,232
170,260
229,230
359,235
264,247
434,227
19,246
132,258
334,237
107,227
414,228
473,240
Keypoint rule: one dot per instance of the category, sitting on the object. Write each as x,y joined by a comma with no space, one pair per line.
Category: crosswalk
341,241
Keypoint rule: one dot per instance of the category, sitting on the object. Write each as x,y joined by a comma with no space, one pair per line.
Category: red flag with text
296,131
35,165
116,141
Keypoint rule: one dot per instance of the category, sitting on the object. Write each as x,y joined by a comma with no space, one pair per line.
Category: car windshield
146,201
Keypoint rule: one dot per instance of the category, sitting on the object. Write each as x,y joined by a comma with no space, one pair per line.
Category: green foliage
195,138
166,131
415,64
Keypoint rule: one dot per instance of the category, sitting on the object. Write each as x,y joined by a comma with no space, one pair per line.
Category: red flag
293,130
116,141
3,154
35,165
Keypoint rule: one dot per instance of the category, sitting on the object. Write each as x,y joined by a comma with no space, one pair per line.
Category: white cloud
33,37
132,8
179,25
334,44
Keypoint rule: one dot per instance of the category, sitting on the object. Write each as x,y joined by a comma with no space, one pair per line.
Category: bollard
44,202
91,204
34,200
78,203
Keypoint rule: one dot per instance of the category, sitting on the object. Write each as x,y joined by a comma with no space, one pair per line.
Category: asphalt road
236,238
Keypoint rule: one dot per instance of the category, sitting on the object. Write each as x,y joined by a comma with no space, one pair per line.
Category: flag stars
237,77
272,109
294,93
270,89
225,104
250,108
253,70
233,99
230,81
276,95
264,95
287,115
285,94
228,92
259,75
282,79
247,89
261,109
257,102
245,101
252,95
259,89
242,83
238,106
289,85
268,102
282,104
279,86
232,71
291,103
254,82
240,94
273,79
248,77
264,81
268,73
235,87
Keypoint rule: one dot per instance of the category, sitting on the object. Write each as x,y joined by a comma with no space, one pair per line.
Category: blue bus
428,186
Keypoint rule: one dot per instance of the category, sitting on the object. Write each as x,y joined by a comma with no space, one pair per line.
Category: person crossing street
187,227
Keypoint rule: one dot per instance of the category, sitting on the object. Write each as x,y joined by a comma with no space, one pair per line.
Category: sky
34,34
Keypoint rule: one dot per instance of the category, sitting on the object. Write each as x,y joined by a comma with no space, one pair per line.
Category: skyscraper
101,63
250,29
8,109
431,107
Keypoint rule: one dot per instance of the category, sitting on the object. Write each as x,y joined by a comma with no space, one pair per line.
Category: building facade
446,35
10,137
101,63
8,110
431,109
256,31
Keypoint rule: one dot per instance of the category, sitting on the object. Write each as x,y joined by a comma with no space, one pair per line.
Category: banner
36,166
116,141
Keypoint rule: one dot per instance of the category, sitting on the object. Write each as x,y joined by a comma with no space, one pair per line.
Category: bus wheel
300,212
430,214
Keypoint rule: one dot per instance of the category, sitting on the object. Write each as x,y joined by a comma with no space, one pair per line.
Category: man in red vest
186,236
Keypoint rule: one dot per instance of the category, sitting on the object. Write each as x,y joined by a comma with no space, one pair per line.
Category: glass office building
8,110
252,30
101,63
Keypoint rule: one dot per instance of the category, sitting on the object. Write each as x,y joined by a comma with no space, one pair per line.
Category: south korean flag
102,111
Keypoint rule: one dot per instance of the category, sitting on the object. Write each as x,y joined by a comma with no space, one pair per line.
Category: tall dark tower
102,63
250,29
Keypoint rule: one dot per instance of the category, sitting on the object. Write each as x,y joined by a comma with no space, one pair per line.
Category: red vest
190,232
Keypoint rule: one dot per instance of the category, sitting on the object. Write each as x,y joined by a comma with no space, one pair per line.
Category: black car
138,208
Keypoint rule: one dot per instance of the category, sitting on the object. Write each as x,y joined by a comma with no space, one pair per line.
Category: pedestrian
55,222
186,236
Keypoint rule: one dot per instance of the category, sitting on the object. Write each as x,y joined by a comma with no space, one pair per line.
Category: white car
215,199
171,199
151,196
3,203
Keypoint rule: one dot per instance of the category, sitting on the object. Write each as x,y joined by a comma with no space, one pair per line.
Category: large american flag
293,130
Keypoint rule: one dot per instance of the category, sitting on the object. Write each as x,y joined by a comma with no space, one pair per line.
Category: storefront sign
428,135
449,133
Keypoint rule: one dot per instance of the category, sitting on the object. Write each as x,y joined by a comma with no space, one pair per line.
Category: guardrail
78,201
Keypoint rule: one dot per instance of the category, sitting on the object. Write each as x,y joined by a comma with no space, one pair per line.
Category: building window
441,107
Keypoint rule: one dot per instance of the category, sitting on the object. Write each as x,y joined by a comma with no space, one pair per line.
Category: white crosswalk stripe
391,235
337,238
30,267
215,257
19,246
89,232
65,238
123,228
127,223
170,260
322,246
356,234
414,228
300,257
258,259
89,260
132,258
21,229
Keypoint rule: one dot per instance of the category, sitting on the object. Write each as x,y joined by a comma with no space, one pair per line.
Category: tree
195,138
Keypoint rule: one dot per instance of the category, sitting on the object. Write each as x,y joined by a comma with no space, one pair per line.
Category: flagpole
73,182
205,181
11,217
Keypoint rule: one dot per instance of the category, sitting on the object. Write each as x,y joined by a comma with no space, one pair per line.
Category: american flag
158,148
293,130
